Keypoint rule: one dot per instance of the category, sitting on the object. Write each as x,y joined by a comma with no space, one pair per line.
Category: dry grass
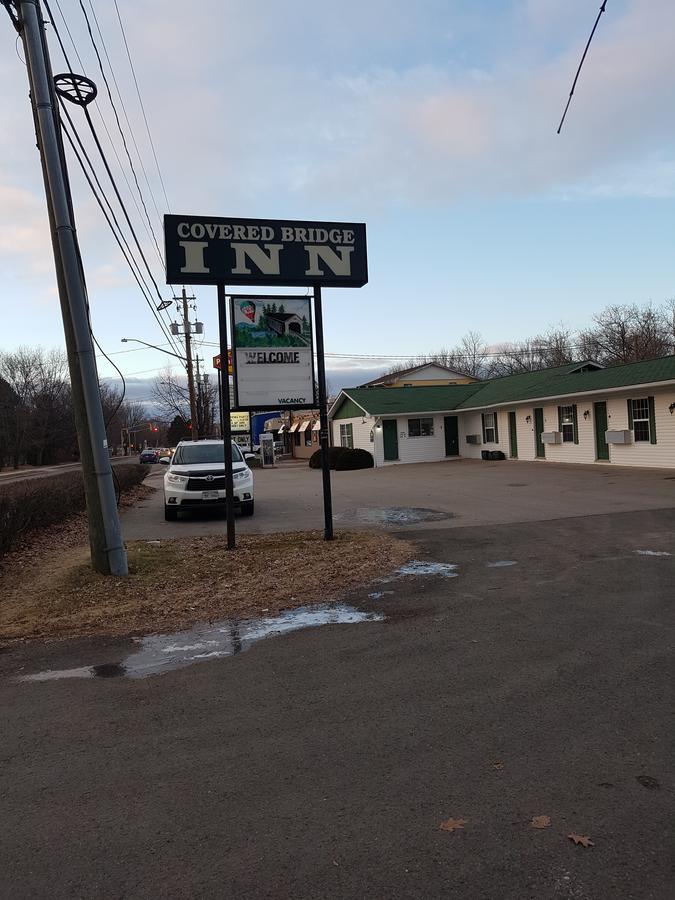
174,583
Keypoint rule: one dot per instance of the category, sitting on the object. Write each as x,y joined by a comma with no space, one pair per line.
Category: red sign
216,362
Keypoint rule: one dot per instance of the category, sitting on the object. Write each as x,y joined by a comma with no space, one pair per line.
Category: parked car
149,455
195,478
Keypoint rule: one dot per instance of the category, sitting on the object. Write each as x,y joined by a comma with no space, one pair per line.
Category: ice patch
419,567
653,553
502,563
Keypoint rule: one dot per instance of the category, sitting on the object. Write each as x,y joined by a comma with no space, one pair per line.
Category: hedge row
39,502
343,458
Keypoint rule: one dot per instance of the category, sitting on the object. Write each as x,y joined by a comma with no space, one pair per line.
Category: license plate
209,495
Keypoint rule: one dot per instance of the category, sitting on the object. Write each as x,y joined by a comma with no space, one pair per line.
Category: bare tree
171,394
626,334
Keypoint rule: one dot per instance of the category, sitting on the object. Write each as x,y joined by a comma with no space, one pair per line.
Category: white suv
196,478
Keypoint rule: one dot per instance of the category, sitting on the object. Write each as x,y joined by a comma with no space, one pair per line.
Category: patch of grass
175,583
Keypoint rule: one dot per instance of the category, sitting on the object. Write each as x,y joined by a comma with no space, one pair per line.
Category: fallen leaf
498,765
541,822
452,824
582,839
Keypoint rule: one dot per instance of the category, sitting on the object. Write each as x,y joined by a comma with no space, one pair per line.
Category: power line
163,324
119,124
121,240
140,100
124,110
576,77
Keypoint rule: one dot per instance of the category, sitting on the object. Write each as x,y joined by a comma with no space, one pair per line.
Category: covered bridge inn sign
265,252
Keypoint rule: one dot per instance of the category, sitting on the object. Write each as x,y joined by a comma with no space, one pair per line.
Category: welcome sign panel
273,352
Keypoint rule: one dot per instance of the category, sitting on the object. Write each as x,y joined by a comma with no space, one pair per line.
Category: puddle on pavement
653,553
159,653
501,563
377,595
393,515
419,567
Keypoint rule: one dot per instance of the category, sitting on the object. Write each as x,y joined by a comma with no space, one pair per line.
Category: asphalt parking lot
523,670
466,492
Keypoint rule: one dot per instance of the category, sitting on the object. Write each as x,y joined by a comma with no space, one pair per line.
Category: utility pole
190,372
108,555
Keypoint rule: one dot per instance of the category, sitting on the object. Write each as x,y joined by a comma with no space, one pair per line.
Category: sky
434,123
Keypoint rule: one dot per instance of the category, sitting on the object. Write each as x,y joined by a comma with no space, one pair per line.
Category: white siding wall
432,449
662,453
471,423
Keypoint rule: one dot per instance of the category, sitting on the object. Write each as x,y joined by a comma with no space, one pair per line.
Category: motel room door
600,417
390,438
513,436
539,447
451,436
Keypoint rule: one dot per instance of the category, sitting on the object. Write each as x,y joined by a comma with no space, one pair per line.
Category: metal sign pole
225,423
323,415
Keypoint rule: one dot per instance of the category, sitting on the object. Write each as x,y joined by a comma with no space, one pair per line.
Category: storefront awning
282,428
294,427
304,425
316,426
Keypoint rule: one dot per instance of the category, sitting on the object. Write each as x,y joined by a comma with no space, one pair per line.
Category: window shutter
482,421
575,422
652,421
560,418
496,428
630,414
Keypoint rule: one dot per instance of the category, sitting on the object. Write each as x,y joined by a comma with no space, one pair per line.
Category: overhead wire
140,100
119,127
164,314
583,57
126,116
127,255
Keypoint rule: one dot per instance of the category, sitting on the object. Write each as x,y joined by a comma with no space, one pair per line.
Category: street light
154,347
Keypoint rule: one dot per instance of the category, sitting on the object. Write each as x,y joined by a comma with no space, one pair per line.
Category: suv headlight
239,476
176,479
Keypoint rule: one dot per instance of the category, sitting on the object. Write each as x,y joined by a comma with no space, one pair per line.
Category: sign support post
225,424
323,417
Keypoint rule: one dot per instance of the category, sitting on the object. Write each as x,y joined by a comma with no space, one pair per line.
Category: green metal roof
392,401
557,382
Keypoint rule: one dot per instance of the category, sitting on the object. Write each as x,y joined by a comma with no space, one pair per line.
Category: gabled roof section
383,401
569,380
388,377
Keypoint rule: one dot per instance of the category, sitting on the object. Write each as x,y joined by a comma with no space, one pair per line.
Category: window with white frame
346,436
567,424
640,409
420,427
489,428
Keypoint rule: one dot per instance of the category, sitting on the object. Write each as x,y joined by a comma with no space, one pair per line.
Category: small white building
580,413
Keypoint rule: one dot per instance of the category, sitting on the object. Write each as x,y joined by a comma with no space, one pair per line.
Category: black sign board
264,252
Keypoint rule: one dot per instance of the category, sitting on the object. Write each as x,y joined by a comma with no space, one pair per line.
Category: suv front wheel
170,513
247,507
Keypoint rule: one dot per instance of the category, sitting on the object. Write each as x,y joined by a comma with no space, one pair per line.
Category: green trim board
348,409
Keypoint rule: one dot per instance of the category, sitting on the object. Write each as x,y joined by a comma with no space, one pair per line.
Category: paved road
9,476
320,764
466,492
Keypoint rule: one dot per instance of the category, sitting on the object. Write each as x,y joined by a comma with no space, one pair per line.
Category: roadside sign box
266,450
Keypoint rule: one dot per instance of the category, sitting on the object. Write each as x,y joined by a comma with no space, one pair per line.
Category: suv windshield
190,454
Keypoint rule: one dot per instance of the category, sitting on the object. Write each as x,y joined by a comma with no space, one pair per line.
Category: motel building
577,413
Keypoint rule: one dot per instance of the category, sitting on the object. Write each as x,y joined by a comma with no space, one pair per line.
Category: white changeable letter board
273,352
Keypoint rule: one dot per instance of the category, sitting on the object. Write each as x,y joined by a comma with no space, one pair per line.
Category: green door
451,436
390,437
513,437
540,449
600,418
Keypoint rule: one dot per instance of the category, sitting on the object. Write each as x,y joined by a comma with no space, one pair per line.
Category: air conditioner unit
551,437
473,439
619,437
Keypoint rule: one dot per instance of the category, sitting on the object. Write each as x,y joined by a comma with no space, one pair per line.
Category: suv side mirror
250,456
164,460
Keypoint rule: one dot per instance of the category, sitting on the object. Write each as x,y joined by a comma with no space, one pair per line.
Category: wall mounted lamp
671,408
378,425
587,413
528,419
